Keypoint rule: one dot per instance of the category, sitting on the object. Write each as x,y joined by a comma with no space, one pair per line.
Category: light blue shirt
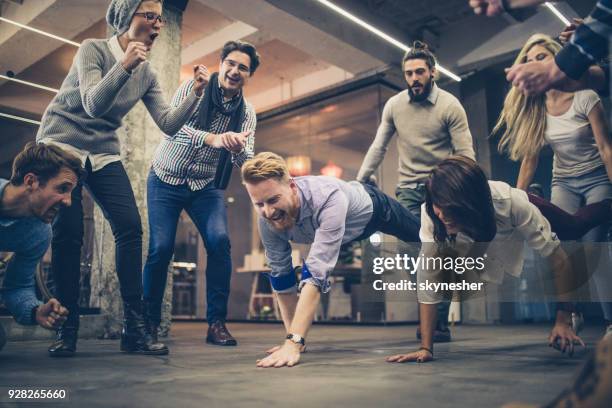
332,212
29,239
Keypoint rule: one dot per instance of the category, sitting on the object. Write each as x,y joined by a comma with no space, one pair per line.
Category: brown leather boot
219,335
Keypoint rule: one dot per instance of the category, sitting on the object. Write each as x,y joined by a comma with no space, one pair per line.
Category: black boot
152,313
67,335
135,338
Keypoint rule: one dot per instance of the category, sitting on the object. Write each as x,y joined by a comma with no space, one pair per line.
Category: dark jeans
206,208
111,189
390,217
412,199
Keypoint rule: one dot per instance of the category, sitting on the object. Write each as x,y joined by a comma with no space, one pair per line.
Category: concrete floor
486,366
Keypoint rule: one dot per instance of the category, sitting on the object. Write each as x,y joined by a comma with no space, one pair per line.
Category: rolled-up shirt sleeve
278,254
531,224
30,242
325,248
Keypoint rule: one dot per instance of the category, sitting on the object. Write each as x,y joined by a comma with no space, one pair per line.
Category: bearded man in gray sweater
431,125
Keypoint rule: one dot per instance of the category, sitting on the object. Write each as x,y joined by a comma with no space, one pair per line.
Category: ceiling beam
209,44
298,32
20,48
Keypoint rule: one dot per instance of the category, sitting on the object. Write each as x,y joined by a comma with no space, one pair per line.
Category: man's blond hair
265,166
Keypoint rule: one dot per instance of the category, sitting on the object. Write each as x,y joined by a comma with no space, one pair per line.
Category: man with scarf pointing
190,171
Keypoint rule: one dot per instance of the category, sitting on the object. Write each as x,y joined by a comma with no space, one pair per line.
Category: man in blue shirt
43,179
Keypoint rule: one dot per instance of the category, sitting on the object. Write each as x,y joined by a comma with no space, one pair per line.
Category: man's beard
423,95
286,222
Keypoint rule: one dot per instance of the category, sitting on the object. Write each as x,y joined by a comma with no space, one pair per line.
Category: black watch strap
426,349
292,337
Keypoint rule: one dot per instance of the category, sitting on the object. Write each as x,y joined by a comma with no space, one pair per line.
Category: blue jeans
572,193
390,217
207,210
29,239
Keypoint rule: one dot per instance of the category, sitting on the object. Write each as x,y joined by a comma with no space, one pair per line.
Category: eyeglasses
152,17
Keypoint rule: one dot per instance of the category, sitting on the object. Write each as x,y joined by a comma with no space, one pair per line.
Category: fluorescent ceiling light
557,13
19,118
19,81
37,31
380,34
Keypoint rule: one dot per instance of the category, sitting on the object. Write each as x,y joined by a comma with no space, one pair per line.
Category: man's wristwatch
296,338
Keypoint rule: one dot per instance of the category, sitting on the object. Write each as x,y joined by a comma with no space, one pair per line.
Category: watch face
295,338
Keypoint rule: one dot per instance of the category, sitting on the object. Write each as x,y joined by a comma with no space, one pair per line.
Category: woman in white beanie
107,78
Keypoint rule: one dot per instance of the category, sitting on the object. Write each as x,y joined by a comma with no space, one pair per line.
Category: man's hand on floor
286,355
420,356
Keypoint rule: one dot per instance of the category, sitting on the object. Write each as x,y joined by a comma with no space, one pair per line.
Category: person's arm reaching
536,231
428,300
597,77
599,125
528,169
562,336
282,275
377,150
289,353
321,261
19,292
588,44
246,150
459,131
496,7
170,119
428,314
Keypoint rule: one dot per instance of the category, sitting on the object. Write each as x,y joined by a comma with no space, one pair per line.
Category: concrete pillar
139,137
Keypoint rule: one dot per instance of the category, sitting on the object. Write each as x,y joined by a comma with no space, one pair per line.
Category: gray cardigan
97,93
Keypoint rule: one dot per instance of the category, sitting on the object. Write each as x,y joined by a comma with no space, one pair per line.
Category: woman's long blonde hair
524,117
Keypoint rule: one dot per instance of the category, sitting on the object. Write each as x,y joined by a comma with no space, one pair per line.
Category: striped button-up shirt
589,43
185,158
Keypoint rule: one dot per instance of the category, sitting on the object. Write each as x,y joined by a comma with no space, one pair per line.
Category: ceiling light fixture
557,13
19,118
19,81
41,32
380,34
